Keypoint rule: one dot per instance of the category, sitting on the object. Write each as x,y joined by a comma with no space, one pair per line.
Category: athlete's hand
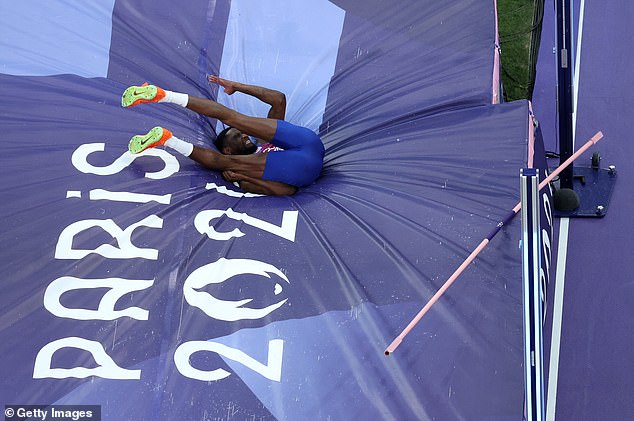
231,176
228,85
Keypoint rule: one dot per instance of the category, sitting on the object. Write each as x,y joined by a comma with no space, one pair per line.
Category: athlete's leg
262,128
249,165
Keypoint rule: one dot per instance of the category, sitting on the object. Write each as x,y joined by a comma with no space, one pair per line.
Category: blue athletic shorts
300,163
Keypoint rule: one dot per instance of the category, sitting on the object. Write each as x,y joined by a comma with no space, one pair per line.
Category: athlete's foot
145,93
155,137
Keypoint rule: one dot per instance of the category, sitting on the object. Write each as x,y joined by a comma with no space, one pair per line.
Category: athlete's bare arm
249,165
259,186
276,99
247,170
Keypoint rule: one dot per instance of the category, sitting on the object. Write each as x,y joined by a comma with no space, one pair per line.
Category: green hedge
520,30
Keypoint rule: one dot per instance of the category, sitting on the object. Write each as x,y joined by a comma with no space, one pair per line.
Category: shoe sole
138,94
139,143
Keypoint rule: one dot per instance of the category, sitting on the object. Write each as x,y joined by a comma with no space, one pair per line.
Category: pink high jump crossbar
397,341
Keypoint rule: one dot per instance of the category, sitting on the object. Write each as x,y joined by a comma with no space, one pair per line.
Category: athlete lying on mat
292,159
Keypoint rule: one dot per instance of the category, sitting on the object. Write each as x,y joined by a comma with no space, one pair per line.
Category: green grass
518,32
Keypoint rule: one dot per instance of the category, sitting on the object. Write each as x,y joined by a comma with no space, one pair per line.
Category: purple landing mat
155,289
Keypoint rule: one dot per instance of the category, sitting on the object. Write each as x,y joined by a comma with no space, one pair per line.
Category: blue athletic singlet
300,163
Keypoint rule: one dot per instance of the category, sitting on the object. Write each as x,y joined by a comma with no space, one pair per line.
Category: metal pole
532,296
564,88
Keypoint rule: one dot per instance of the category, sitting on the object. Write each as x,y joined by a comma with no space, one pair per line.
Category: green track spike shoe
155,137
143,94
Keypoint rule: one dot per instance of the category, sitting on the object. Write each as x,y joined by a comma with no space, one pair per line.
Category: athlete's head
232,141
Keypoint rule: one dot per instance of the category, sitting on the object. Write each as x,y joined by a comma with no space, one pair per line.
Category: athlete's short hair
219,141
